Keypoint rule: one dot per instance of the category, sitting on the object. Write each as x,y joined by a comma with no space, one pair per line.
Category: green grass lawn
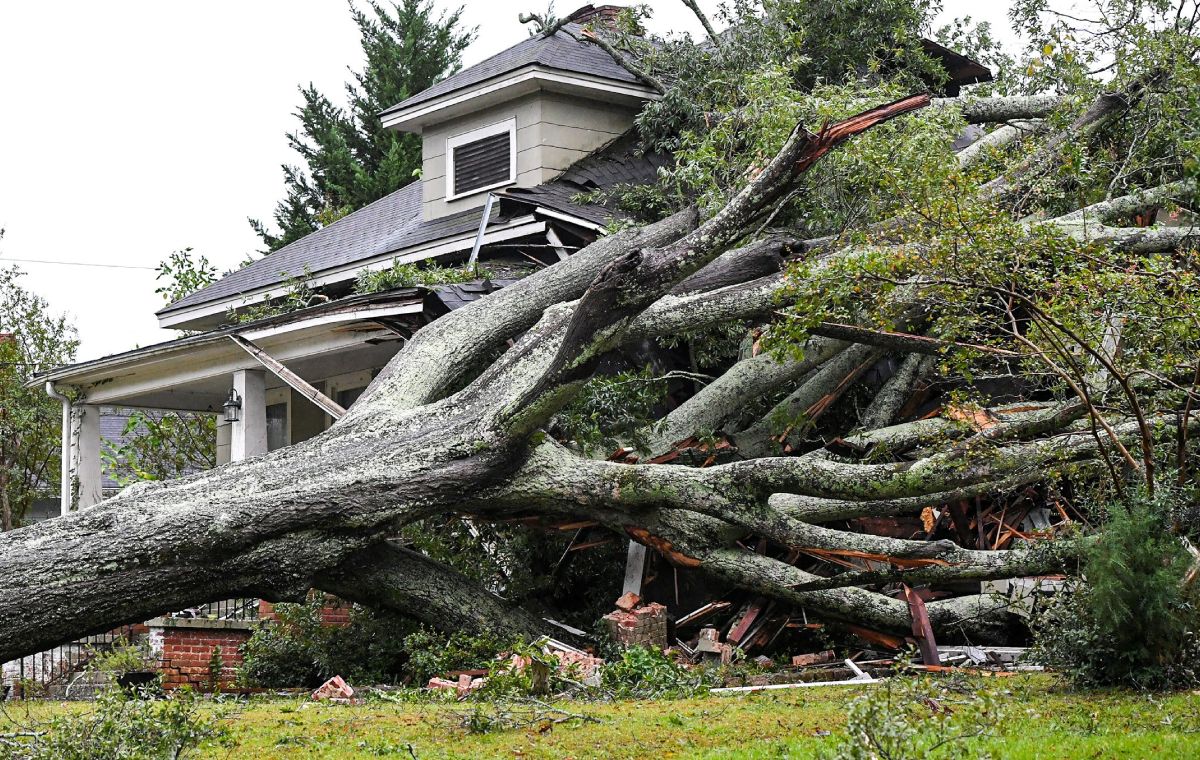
1039,721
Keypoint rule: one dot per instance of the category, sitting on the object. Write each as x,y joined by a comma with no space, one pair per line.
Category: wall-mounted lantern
233,406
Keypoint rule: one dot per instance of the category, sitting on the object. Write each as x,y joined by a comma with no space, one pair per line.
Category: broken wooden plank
701,613
752,612
886,640
299,384
921,627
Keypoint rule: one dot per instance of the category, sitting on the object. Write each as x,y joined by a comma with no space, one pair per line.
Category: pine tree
351,160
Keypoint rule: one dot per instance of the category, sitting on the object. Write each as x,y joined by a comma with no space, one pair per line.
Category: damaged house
510,148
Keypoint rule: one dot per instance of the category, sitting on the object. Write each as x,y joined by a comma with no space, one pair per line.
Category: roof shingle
560,51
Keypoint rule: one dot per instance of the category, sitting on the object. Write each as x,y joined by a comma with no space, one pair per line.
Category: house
508,145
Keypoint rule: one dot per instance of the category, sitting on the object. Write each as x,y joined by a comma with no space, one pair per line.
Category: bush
121,726
916,717
647,673
375,647
299,650
1132,622
431,653
291,651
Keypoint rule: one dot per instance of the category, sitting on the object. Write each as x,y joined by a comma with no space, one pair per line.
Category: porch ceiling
193,374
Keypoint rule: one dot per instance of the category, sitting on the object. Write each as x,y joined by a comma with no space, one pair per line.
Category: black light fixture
233,406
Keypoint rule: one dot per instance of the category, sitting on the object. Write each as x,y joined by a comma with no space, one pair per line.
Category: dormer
519,118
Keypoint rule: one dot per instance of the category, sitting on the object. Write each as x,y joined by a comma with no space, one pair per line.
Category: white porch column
635,568
249,434
85,456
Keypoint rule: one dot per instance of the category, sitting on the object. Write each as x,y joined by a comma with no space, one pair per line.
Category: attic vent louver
482,159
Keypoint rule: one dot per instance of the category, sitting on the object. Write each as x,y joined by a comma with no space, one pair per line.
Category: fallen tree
449,428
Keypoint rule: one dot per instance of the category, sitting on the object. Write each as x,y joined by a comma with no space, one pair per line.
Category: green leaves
184,275
32,339
400,275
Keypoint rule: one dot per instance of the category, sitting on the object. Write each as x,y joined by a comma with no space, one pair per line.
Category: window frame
281,396
491,130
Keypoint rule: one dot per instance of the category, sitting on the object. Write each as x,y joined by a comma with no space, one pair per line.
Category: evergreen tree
351,160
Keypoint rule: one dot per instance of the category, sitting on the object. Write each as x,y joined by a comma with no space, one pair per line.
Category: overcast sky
132,128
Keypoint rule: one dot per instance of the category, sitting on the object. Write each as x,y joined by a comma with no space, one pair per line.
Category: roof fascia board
525,225
531,78
577,221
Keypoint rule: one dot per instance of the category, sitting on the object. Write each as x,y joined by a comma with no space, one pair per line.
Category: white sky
132,128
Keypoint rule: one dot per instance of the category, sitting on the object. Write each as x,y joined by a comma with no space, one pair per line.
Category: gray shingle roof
359,235
560,51
391,223
394,223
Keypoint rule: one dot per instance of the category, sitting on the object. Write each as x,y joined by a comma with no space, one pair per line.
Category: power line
78,264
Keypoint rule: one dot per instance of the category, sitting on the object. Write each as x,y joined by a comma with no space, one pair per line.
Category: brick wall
185,649
334,612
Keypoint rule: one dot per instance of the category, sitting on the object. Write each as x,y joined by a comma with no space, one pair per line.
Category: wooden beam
921,627
299,384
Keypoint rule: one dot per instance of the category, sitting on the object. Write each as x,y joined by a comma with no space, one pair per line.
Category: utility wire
77,264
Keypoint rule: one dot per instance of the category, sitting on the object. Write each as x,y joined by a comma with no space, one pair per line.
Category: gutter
64,487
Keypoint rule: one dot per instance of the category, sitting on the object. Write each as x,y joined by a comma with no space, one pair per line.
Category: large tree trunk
445,429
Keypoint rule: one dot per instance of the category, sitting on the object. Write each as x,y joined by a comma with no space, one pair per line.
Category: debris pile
335,690
573,664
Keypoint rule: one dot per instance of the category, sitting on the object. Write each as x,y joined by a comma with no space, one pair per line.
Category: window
347,397
481,159
277,426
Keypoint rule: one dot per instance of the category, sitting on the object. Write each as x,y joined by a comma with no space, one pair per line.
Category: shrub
646,673
916,717
291,651
1132,622
375,647
431,653
121,725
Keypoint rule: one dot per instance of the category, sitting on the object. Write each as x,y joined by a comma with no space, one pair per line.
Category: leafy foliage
184,275
350,159
161,446
32,339
917,717
298,649
1135,620
647,672
432,653
121,726
400,275
612,410
298,294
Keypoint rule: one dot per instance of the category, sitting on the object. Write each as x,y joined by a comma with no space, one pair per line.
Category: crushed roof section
560,51
618,163
393,223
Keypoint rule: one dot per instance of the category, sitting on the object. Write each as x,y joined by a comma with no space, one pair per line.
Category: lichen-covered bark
392,577
451,427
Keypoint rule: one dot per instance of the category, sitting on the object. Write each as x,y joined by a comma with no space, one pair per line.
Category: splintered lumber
885,640
701,613
752,612
921,627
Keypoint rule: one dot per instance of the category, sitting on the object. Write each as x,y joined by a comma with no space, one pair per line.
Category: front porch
269,383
